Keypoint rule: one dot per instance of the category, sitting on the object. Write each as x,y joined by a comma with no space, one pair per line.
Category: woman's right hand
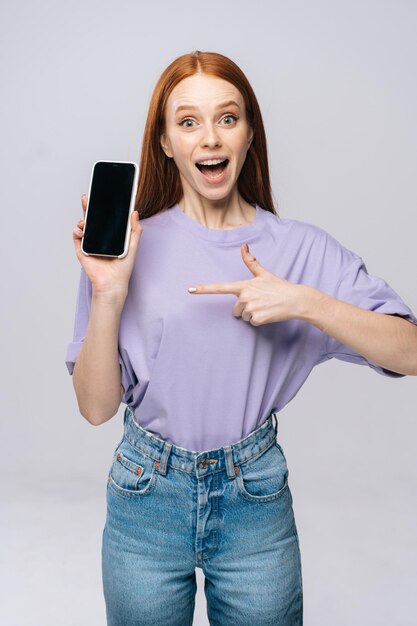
108,275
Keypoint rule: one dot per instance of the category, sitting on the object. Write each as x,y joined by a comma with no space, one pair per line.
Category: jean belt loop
275,421
230,465
163,461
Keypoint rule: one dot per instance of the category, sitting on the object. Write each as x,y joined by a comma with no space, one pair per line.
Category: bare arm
388,341
96,375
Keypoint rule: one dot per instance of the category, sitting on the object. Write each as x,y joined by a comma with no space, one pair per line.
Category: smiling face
206,120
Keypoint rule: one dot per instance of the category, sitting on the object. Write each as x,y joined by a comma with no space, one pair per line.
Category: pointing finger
234,288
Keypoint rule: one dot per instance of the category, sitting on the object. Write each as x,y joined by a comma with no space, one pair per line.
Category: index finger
234,288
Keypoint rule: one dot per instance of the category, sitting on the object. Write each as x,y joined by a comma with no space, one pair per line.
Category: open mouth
213,171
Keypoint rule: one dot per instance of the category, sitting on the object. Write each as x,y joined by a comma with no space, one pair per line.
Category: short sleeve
356,286
82,316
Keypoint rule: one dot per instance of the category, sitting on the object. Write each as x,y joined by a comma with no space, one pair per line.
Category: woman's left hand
265,298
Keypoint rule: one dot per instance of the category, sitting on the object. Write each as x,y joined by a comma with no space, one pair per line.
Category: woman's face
205,119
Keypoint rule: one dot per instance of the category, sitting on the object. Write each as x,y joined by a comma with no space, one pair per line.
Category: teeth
211,162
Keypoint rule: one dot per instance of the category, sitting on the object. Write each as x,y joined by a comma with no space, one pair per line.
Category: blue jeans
228,511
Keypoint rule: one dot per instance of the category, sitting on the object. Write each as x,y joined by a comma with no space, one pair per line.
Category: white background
336,83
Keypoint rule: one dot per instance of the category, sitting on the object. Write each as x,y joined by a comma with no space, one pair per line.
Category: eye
187,119
233,117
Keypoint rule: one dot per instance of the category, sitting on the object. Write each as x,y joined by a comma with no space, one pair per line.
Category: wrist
114,299
316,307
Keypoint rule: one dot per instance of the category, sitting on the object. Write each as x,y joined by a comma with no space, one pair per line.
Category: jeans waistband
225,458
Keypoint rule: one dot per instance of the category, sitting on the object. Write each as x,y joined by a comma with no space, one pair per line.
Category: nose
210,137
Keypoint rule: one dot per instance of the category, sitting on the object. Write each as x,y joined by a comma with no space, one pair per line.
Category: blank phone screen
108,208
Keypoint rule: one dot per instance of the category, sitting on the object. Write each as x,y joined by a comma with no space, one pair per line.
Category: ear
165,145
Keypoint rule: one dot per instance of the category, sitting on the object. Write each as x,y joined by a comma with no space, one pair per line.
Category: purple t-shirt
193,373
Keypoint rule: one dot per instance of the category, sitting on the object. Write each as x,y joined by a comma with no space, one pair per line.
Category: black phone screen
108,208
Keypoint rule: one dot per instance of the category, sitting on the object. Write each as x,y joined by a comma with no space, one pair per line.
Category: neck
218,214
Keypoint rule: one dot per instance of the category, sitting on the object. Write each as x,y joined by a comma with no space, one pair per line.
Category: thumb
135,226
251,261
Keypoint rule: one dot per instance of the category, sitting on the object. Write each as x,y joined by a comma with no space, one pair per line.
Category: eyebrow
220,106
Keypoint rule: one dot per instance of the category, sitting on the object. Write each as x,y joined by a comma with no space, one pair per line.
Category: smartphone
111,200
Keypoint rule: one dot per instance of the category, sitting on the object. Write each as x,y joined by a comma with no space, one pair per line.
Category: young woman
199,478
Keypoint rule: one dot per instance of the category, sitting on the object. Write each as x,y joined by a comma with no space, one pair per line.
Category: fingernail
246,247
191,289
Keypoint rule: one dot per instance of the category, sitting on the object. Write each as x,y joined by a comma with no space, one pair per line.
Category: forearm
386,340
96,375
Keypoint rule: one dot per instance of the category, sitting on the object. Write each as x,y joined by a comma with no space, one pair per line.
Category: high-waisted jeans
228,511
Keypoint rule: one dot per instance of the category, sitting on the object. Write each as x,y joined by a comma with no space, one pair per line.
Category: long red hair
159,185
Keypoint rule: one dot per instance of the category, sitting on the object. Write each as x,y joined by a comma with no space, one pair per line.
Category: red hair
159,185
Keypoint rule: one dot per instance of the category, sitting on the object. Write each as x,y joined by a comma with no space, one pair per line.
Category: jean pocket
132,473
265,477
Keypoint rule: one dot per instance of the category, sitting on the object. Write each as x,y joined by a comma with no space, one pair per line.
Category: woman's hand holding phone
108,275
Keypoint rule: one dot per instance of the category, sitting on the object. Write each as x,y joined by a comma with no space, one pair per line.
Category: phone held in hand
111,201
